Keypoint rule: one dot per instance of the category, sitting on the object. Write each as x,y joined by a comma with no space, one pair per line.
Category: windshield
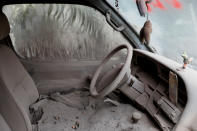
60,31
174,25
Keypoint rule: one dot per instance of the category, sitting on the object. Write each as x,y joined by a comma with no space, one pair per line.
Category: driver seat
17,89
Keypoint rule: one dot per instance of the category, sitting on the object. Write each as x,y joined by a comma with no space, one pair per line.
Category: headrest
4,26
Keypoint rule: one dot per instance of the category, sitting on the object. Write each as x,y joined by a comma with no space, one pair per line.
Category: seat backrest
17,89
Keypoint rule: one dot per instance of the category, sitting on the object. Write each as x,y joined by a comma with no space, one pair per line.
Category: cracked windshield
174,25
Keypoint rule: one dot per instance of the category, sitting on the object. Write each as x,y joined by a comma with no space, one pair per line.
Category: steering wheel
114,84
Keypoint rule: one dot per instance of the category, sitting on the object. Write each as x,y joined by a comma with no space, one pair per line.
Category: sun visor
4,26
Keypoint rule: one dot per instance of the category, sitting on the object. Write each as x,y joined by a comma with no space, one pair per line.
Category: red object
158,4
174,3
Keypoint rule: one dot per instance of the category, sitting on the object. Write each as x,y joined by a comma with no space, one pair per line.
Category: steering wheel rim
113,85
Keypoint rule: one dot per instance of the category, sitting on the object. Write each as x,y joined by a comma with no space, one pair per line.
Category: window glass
174,25
47,31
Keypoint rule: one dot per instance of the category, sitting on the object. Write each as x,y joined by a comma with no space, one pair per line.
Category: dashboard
153,70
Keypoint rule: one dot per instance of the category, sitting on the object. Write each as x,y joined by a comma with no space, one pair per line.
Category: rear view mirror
142,7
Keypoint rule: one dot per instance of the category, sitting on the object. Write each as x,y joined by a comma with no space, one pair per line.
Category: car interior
93,94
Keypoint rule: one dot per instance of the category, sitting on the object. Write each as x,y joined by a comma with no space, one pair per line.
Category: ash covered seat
17,89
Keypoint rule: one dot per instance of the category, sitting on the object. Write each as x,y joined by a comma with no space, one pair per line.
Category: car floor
69,105
84,113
